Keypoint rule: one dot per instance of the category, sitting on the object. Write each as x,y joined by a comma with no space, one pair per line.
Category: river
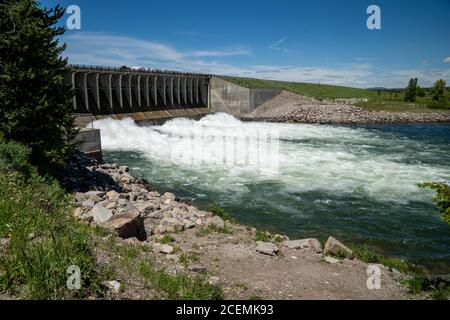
357,183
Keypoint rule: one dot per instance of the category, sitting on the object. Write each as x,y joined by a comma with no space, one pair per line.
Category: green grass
384,100
167,239
363,253
318,91
179,286
220,212
439,289
45,239
186,258
266,236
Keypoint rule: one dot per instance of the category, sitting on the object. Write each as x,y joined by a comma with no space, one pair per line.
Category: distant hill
318,91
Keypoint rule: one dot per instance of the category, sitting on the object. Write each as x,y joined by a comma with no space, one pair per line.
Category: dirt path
292,274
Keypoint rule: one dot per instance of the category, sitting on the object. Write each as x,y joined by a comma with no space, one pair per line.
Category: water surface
357,183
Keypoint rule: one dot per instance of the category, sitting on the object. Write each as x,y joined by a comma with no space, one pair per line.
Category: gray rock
308,244
112,195
144,207
113,286
336,248
162,248
4,242
172,224
216,221
197,269
100,214
123,169
169,195
88,204
153,194
331,260
80,197
95,196
189,224
127,225
266,248
214,280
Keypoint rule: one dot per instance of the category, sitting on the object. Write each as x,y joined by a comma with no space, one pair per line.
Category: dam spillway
140,94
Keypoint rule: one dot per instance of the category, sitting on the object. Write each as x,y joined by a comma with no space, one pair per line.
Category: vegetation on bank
41,236
412,99
35,104
442,198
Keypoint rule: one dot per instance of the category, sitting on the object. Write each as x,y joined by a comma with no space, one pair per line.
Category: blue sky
307,41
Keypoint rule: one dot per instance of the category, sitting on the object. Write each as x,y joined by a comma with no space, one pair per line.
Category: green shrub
218,211
263,236
442,198
44,240
438,288
363,253
179,286
15,157
35,104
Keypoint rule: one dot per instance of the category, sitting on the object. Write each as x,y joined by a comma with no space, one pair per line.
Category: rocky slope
290,107
184,239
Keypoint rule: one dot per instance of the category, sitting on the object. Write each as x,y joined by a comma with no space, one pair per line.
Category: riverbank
185,241
289,107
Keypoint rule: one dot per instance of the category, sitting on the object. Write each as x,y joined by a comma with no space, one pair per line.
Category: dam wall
140,94
236,100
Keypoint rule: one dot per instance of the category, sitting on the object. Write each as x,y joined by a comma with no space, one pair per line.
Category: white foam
311,157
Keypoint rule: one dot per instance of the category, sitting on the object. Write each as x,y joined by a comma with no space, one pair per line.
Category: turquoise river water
357,183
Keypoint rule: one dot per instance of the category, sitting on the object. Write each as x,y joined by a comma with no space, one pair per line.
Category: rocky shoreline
227,253
293,108
347,114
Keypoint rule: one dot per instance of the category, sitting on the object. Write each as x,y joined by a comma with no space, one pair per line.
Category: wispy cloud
277,45
114,50
218,53
447,60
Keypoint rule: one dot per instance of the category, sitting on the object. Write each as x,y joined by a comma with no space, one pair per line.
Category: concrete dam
153,96
140,94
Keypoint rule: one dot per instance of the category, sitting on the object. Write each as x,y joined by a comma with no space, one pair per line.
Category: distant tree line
439,93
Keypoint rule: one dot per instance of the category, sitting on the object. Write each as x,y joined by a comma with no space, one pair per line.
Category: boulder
336,248
172,224
144,207
331,260
95,196
88,204
266,248
189,224
162,248
169,195
123,169
113,286
127,225
153,194
80,197
113,195
197,269
100,214
308,244
216,221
